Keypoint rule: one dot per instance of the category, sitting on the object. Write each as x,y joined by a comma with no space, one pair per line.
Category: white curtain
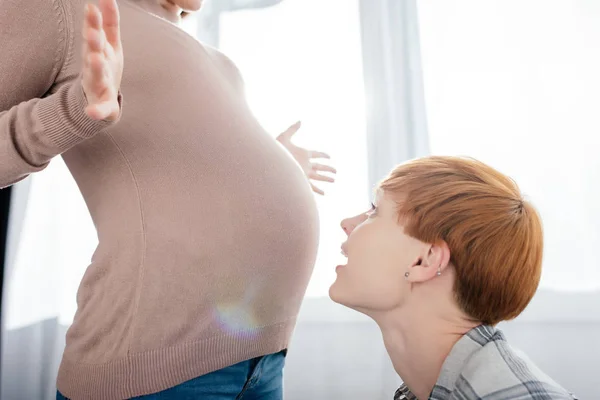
512,83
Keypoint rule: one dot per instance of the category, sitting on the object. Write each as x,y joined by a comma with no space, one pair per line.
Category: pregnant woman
207,226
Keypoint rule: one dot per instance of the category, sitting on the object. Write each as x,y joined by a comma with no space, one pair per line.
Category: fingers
318,154
97,87
111,22
315,176
291,131
95,64
93,17
95,76
324,168
317,190
93,35
102,66
319,177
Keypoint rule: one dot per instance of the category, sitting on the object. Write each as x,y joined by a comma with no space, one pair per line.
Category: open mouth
345,254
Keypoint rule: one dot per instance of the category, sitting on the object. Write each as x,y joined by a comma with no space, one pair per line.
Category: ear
435,257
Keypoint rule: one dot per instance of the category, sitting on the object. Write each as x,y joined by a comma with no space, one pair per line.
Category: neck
418,342
165,9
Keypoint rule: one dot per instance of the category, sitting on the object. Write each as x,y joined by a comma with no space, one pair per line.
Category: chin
333,294
338,295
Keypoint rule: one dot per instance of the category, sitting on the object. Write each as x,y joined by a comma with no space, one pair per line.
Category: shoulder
30,12
498,369
35,34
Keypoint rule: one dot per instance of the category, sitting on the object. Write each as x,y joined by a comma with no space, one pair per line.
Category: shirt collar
461,352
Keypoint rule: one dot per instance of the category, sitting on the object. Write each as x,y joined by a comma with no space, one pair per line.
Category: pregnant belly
253,204
276,204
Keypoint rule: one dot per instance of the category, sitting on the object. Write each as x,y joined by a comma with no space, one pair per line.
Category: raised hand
102,60
314,171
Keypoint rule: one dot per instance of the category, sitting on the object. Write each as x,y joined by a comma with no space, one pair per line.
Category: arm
34,128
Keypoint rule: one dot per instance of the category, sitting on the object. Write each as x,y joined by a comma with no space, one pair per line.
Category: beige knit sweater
207,228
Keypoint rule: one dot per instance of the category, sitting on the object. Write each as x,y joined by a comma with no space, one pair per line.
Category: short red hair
495,236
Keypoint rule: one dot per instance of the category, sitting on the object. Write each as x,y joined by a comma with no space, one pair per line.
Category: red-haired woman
448,250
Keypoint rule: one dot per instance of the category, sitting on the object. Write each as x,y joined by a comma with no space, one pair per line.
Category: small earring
439,271
406,274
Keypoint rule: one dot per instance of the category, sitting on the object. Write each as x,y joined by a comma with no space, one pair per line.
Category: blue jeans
256,379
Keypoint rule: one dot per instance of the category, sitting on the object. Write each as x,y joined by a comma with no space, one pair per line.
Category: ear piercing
438,273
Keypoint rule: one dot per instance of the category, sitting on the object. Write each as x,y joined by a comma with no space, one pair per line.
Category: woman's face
379,253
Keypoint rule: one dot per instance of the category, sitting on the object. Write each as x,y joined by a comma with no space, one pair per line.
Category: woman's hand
102,60
304,157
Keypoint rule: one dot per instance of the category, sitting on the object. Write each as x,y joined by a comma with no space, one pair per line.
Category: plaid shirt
482,366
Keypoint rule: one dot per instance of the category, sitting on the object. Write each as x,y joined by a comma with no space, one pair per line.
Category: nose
349,224
346,227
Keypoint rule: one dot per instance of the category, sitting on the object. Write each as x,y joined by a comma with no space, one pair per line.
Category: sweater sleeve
35,126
